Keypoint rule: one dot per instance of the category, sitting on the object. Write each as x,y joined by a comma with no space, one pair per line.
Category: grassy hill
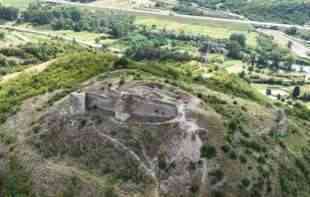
284,11
248,151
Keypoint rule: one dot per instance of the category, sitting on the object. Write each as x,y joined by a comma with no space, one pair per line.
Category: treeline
69,18
145,45
14,58
269,54
83,1
284,11
8,13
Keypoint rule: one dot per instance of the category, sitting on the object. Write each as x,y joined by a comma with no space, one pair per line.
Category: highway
176,16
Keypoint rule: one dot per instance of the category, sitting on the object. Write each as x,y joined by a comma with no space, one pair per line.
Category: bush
208,151
245,182
242,159
232,155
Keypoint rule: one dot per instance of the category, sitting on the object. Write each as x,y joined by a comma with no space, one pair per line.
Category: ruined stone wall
103,103
143,110
78,103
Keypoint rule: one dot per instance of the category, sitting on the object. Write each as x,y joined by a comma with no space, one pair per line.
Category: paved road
174,15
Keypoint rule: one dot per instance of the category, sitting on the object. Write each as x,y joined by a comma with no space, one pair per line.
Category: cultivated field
213,29
17,3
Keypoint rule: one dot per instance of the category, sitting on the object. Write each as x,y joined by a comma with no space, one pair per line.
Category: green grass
214,29
81,36
66,73
17,3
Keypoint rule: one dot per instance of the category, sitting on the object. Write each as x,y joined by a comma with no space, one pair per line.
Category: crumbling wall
104,103
148,111
78,103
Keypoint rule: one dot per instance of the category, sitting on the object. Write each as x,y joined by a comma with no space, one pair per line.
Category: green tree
238,37
296,92
234,50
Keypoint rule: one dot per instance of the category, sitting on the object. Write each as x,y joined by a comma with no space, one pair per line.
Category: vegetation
68,18
285,11
66,73
21,56
8,13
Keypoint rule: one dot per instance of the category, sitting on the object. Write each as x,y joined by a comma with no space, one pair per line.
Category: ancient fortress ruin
166,116
123,106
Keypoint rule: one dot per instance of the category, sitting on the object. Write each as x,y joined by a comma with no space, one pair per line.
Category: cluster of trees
269,54
68,18
12,58
196,39
293,31
235,46
8,13
40,51
284,11
142,47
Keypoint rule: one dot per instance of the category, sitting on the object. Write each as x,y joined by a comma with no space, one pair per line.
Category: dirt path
34,69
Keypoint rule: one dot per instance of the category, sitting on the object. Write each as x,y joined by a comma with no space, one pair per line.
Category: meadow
17,3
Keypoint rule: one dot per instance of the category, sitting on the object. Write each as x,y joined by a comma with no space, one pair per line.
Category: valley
153,99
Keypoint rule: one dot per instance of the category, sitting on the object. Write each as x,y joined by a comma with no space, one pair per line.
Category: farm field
82,36
17,3
217,30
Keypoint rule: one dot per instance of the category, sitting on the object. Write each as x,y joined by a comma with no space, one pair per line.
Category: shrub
233,155
246,182
243,159
208,151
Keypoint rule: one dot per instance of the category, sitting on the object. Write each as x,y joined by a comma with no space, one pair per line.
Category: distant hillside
284,11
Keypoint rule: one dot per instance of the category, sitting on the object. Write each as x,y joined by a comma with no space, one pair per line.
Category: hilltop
97,103
119,134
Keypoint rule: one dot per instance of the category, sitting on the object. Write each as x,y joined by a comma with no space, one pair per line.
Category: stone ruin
123,106
169,160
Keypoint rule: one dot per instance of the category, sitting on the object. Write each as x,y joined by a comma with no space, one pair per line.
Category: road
281,38
40,33
175,15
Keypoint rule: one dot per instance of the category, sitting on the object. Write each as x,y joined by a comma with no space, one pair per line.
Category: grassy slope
284,11
17,3
244,113
213,29
63,74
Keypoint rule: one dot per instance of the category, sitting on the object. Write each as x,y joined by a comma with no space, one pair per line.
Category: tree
275,57
234,50
290,60
2,36
238,37
8,13
268,92
289,44
296,92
